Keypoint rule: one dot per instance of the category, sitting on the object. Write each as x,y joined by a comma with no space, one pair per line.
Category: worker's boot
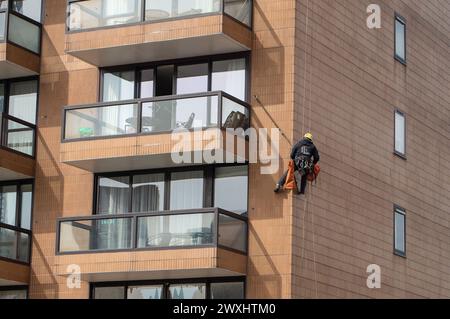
298,181
277,188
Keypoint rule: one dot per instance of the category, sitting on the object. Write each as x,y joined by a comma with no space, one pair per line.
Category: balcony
105,33
148,131
15,246
17,140
205,242
20,40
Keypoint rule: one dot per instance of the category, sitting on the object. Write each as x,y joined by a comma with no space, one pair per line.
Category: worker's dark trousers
282,180
303,182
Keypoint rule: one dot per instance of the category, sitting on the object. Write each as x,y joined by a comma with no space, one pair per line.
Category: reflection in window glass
148,193
186,190
109,292
145,292
13,294
400,48
118,86
113,195
8,197
192,78
23,100
229,76
227,290
187,291
3,4
27,195
29,8
230,188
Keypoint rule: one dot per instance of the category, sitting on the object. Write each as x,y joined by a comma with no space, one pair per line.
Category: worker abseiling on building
305,156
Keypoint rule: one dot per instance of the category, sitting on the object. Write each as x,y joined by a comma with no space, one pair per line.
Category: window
11,213
227,290
186,190
2,25
399,231
229,76
167,189
19,98
15,214
202,75
230,188
400,39
206,288
400,133
13,292
29,8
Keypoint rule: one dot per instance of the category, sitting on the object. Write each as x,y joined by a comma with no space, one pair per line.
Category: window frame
167,283
401,211
402,20
208,183
396,152
209,59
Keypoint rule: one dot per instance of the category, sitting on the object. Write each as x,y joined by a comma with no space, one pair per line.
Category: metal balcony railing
154,115
93,14
20,24
15,243
17,135
194,228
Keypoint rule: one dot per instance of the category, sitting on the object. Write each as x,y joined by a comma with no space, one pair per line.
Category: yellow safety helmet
308,136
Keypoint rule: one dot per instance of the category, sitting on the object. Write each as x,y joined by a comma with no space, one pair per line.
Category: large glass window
109,292
12,293
192,78
222,75
145,292
23,100
15,211
186,190
2,95
2,25
113,195
166,9
399,231
118,86
24,33
230,188
29,8
146,192
232,288
8,204
229,76
101,13
227,290
187,291
400,133
400,39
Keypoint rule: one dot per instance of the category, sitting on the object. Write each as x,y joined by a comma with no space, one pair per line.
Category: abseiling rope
308,197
